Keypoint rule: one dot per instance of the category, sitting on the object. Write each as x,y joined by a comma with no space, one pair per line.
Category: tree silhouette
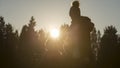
2,31
8,44
29,44
64,30
42,38
80,45
95,42
2,41
108,49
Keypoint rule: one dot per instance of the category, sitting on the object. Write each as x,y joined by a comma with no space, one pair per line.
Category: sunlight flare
54,33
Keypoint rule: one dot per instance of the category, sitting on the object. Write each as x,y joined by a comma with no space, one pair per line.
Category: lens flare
54,33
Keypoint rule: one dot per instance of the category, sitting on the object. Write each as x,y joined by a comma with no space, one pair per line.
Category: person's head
75,3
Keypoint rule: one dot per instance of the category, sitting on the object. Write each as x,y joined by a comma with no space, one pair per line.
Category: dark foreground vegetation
28,50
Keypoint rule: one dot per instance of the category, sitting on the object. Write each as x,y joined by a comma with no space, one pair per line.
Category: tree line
27,49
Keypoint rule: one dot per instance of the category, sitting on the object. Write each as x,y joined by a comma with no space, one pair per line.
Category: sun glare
54,33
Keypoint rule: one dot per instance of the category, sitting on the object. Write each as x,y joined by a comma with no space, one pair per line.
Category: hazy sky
49,13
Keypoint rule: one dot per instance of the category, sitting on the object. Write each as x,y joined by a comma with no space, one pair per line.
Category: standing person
75,12
80,29
75,15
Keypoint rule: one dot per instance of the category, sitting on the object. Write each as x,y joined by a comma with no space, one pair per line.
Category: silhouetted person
86,26
81,41
75,12
80,29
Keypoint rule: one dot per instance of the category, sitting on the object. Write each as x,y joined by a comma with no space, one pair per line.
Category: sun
54,33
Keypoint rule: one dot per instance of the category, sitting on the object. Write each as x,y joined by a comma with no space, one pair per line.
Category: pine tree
94,43
29,44
108,51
